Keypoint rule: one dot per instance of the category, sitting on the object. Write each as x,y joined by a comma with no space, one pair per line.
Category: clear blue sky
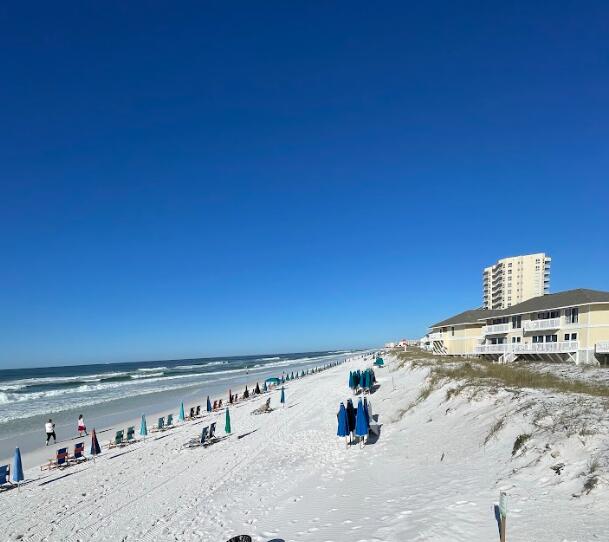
227,178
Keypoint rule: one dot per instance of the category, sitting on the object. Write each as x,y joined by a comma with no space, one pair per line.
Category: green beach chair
160,424
131,434
169,423
119,439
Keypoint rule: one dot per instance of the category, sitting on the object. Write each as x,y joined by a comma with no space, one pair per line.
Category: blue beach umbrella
343,425
265,388
361,422
181,416
17,473
143,427
282,399
351,380
367,412
208,404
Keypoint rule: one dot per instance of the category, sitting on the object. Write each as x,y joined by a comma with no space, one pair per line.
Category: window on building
516,322
573,336
572,315
551,338
566,336
537,338
452,331
515,339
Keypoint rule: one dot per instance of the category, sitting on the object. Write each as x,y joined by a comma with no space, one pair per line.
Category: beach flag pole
502,515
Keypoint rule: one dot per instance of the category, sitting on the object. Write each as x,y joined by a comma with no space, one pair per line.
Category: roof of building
472,316
568,298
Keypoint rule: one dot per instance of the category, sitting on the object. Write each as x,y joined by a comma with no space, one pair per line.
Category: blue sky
215,178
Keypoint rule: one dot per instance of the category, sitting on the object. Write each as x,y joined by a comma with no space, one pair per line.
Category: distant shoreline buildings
520,323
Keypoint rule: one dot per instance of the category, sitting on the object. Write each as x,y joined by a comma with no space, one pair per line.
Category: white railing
437,336
546,348
602,347
496,328
530,348
535,325
492,348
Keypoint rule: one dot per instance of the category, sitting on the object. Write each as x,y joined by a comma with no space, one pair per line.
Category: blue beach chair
79,452
5,475
60,461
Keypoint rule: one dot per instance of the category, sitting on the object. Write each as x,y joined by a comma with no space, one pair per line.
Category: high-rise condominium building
514,280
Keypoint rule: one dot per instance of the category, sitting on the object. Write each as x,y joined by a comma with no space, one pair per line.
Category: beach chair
201,441
131,435
263,409
198,411
79,453
192,413
169,423
160,425
60,461
119,439
5,475
212,431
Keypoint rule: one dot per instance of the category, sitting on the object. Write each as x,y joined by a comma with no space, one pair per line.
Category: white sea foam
146,375
152,369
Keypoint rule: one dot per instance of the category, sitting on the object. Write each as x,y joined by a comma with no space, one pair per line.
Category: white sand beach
285,475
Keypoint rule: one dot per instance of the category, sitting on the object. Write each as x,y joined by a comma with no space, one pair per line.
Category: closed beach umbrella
361,422
367,411
257,390
208,404
17,473
282,399
265,388
351,380
95,447
227,427
343,425
181,416
143,427
350,415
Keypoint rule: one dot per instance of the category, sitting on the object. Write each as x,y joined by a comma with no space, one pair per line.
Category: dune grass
479,372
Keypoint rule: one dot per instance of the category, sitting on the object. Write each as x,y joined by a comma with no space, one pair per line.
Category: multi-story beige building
516,279
566,326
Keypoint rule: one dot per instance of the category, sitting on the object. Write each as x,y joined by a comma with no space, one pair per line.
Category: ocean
106,393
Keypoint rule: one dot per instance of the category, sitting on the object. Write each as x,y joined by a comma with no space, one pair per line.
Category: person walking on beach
49,427
82,428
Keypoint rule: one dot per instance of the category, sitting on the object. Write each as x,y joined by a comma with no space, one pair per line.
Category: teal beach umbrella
227,427
181,416
208,404
282,399
143,427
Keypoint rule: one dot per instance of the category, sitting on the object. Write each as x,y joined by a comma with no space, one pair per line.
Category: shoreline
126,411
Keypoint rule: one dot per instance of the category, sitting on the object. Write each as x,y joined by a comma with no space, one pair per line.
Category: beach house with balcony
566,326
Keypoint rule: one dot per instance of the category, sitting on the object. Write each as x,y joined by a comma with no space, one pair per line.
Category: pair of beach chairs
63,459
208,436
162,425
195,412
121,440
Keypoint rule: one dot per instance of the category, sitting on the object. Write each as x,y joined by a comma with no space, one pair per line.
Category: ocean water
29,393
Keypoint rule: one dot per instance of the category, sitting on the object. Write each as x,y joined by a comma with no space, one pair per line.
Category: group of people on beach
49,428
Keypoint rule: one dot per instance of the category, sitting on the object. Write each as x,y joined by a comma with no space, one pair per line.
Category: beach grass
475,372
